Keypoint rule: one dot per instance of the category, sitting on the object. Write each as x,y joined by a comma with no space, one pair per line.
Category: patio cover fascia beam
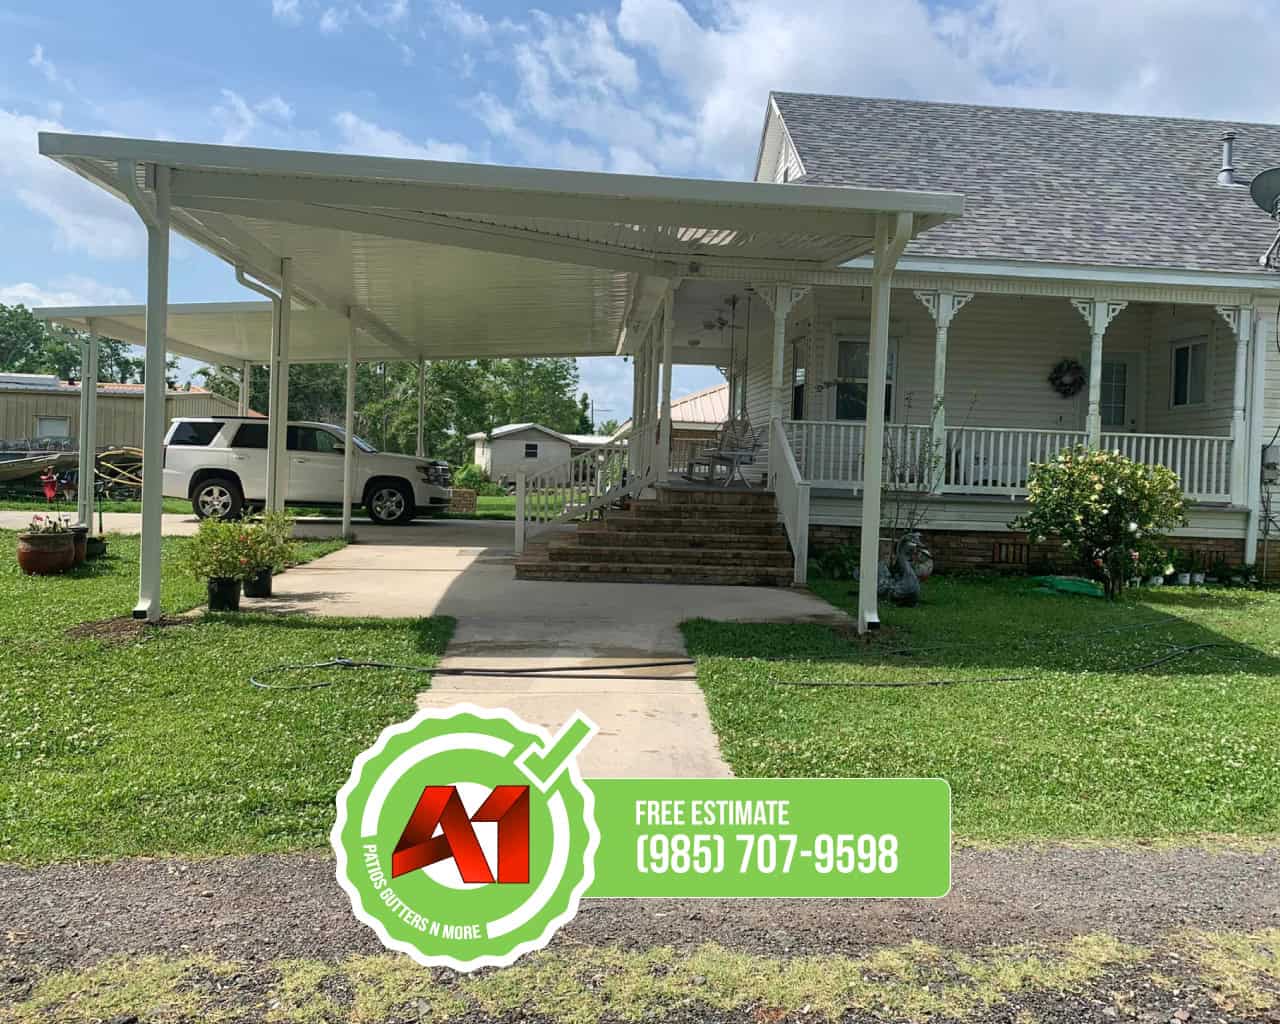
100,321
437,230
574,196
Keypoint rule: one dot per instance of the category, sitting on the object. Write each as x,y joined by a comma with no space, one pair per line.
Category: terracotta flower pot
45,554
259,584
224,595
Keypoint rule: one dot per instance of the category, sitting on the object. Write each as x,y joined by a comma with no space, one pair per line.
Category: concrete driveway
653,721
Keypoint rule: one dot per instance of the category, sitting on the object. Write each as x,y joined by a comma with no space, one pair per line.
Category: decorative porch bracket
782,300
942,306
1098,314
1240,320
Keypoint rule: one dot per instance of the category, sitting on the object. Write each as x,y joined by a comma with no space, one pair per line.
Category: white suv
219,463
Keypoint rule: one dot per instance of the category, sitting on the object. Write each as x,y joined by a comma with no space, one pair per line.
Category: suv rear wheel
389,502
217,497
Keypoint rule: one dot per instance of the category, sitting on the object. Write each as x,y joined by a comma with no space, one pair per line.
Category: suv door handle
301,460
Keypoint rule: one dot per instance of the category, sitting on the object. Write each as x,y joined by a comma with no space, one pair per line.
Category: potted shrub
1197,570
220,554
47,547
1182,567
271,548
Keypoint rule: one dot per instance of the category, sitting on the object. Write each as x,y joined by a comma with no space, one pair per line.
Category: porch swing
737,442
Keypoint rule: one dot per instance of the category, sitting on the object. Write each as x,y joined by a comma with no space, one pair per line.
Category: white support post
633,458
521,497
942,306
154,388
246,385
1257,434
421,449
668,332
84,486
349,427
783,300
1098,314
1240,320
888,248
91,428
278,412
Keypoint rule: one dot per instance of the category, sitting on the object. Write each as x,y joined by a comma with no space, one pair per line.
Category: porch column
88,429
1098,314
942,305
888,248
246,384
349,426
1257,434
278,408
156,217
783,299
664,433
421,449
1240,320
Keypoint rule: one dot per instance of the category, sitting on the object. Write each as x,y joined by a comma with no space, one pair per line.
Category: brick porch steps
713,536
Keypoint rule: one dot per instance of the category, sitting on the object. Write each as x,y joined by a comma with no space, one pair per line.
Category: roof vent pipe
1227,176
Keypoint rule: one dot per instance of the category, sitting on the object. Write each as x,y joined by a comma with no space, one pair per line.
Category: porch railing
575,489
992,460
791,492
1202,462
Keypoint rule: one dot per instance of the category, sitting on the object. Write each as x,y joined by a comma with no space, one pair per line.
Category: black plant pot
95,547
224,595
259,584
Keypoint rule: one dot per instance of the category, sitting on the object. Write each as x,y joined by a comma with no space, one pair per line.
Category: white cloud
288,11
85,218
275,108
72,290
333,20
461,20
361,136
578,89
41,62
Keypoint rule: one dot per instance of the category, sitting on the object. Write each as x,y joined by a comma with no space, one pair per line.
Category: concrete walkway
653,722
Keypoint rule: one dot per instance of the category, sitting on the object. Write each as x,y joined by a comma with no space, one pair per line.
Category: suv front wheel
217,497
390,502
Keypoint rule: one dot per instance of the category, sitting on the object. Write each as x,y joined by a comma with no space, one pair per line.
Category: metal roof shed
432,260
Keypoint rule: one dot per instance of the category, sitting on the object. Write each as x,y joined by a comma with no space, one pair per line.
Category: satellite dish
1265,189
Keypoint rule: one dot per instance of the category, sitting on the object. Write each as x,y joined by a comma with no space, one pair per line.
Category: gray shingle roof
1049,185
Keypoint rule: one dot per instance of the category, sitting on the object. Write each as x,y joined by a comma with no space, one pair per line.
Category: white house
527,447
899,277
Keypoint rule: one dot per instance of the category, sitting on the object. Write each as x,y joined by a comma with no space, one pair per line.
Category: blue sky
629,85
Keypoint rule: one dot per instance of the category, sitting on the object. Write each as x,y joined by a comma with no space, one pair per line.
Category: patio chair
736,446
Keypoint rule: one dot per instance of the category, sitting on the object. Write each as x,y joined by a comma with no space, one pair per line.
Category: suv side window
312,439
250,435
197,434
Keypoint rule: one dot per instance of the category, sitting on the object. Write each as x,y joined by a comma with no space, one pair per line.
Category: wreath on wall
1068,378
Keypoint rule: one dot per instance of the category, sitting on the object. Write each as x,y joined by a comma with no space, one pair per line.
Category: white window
531,450
1189,365
53,426
852,367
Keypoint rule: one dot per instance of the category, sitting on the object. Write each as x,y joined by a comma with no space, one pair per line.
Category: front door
1120,402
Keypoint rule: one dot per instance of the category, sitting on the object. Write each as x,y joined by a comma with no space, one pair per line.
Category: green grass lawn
497,507
158,744
22,504
1079,744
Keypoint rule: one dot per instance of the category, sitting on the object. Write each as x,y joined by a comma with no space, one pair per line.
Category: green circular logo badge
466,836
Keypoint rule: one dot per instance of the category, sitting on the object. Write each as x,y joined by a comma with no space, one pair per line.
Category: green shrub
220,550
270,542
473,478
1111,514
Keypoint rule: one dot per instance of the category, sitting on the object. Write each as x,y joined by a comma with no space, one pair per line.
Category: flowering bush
220,550
1109,512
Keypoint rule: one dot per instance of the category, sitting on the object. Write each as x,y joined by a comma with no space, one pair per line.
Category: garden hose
535,672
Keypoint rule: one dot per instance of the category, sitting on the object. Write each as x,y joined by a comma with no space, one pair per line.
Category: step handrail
576,489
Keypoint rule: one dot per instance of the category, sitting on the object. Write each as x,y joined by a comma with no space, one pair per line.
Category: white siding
119,417
506,454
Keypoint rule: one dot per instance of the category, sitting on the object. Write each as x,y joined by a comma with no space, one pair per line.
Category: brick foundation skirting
1012,551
